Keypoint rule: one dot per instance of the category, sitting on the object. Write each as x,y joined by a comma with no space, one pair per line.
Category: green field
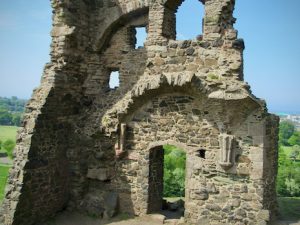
8,132
3,178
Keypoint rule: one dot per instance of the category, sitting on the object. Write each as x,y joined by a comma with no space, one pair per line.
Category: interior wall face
155,180
81,140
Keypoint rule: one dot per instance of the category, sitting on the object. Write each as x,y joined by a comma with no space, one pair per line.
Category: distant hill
11,111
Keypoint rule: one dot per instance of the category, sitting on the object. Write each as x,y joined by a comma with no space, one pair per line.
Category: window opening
114,80
141,36
201,153
189,20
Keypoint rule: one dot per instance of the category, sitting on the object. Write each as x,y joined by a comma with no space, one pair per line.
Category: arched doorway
166,192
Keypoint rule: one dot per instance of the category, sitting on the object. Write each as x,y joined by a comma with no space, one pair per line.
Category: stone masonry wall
212,193
83,142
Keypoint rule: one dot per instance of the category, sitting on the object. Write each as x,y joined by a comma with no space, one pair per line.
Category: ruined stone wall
212,193
38,185
71,151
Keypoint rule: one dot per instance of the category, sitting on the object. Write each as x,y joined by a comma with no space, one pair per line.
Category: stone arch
121,18
175,4
189,84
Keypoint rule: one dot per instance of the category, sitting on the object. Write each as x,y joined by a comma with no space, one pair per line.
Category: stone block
101,174
264,215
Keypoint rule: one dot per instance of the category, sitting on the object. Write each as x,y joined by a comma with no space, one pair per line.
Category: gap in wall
114,80
189,20
141,36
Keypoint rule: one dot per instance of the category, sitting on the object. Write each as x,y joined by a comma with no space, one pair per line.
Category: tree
17,118
286,130
11,110
174,171
294,139
9,146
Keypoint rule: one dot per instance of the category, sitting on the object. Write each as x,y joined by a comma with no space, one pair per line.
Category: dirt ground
78,219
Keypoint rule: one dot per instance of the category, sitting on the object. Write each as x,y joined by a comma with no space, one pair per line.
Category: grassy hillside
8,132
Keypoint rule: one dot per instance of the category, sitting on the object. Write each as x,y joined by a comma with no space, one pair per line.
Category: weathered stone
236,203
240,213
264,215
210,62
101,174
110,201
239,44
211,188
74,150
184,44
100,205
202,194
213,207
190,51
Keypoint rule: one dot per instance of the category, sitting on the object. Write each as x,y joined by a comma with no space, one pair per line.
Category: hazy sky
270,28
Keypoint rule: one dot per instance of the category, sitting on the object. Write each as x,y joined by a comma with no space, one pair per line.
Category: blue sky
270,28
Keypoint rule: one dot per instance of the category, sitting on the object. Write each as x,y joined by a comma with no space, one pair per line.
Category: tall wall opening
114,80
167,165
183,20
141,36
189,20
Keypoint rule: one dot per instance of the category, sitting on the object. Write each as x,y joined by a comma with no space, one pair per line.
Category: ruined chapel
82,139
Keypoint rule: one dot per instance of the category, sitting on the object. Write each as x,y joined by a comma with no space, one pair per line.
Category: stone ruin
87,147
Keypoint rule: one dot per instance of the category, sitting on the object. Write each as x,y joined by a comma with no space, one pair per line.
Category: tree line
11,111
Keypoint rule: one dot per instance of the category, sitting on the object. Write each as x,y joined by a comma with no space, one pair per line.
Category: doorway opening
167,165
